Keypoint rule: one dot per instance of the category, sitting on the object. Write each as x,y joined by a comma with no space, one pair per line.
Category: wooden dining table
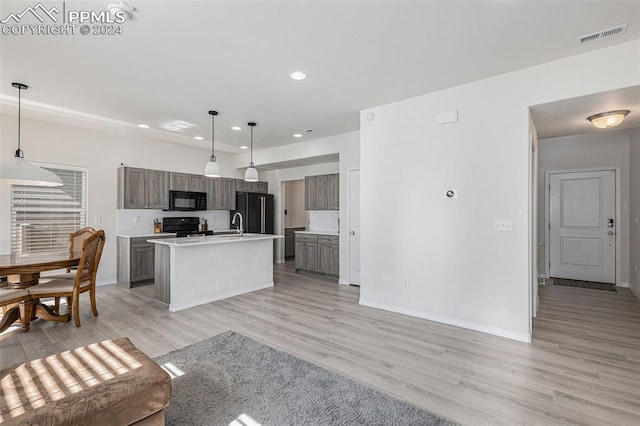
23,271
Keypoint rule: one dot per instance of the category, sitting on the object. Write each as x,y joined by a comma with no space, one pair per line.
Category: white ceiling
178,59
569,117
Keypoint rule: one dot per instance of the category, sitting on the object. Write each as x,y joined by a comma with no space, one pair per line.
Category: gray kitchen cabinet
186,182
142,188
328,255
290,241
317,253
311,193
135,260
258,187
322,192
221,193
307,256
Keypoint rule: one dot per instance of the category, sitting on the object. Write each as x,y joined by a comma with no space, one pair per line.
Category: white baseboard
343,282
635,291
622,284
105,282
522,337
175,307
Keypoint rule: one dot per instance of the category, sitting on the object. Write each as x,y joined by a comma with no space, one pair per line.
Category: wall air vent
609,32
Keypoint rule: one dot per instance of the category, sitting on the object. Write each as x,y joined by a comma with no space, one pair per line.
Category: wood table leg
23,280
10,316
44,312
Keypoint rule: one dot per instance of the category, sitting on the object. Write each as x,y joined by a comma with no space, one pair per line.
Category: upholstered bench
105,383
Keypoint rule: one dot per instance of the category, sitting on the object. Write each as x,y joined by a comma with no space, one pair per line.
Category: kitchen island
198,270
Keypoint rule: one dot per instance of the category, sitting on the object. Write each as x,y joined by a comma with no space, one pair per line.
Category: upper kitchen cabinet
258,187
221,193
142,188
187,182
321,192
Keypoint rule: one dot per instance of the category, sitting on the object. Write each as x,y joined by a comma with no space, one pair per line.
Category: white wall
346,145
294,204
634,207
608,148
460,271
101,151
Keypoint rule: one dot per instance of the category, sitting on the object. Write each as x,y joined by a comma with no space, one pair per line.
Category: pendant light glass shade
212,168
251,174
19,171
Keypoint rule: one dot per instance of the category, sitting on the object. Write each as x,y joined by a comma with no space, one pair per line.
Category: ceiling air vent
609,32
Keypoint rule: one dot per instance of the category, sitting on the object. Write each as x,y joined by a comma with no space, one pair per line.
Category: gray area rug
584,284
230,379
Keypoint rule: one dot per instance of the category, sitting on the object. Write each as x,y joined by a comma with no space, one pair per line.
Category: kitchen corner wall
459,270
634,210
101,150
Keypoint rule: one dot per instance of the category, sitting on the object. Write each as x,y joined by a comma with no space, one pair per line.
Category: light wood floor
582,368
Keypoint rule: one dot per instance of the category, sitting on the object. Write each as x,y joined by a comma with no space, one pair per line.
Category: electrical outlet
405,282
136,219
502,225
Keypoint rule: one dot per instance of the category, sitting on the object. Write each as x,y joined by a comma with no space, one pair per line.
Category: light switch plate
502,225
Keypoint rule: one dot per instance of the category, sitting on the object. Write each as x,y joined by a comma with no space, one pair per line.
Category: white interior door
354,227
582,226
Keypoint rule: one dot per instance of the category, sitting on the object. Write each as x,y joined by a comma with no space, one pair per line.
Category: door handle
611,233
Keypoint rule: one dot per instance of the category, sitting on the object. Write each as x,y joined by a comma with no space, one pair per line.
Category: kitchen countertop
214,239
172,234
333,233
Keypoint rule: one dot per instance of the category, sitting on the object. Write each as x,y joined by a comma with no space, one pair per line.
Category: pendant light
19,171
251,174
213,168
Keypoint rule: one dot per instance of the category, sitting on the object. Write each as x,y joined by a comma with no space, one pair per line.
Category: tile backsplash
127,224
324,220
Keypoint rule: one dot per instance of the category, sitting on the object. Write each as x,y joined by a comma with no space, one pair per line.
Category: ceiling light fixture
606,120
143,126
297,135
236,128
19,171
244,147
298,75
213,168
198,138
251,174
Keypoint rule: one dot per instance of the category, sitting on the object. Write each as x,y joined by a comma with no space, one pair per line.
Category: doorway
582,225
295,216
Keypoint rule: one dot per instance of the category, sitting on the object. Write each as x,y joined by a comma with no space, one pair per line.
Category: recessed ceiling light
143,126
236,128
198,138
244,147
297,135
178,125
298,75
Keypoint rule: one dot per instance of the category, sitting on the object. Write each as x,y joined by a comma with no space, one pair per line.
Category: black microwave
187,201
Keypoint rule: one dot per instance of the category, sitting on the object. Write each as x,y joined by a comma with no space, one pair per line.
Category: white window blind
43,217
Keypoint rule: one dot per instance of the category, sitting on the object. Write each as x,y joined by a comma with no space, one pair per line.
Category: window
43,217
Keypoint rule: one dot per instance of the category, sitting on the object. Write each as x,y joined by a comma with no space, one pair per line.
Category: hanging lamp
213,168
19,171
251,174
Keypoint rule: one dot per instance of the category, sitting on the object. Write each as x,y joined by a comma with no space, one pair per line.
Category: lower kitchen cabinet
318,253
290,241
136,260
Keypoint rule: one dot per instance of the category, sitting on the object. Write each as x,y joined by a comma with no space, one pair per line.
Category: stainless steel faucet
233,222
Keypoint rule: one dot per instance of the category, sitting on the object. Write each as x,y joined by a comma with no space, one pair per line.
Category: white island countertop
214,239
334,233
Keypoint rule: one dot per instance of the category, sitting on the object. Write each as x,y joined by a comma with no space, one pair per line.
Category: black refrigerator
256,210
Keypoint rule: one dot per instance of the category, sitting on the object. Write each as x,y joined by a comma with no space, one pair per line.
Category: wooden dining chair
15,304
85,279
